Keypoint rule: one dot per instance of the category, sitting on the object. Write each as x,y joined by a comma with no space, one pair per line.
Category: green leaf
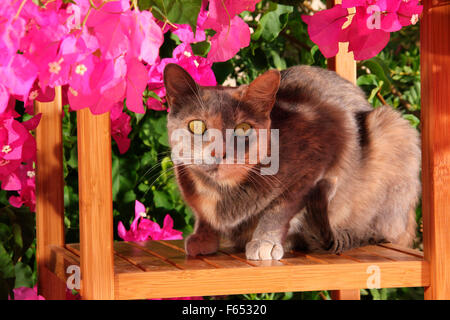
367,79
73,160
17,233
175,11
6,265
379,68
412,119
278,62
161,200
39,3
129,196
201,48
164,139
5,231
154,95
272,23
115,176
7,274
24,275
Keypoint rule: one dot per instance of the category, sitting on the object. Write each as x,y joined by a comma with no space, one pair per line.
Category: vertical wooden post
435,67
49,193
96,216
344,64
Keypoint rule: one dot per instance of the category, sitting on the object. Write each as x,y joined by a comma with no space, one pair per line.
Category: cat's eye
243,129
197,127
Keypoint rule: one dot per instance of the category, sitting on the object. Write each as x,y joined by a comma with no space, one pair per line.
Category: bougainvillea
368,33
143,229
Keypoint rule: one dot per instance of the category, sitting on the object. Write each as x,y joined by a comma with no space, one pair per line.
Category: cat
348,174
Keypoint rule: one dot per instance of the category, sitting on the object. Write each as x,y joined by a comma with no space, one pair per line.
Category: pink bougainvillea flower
143,229
228,40
136,84
232,33
146,36
27,195
353,3
409,11
36,94
156,104
325,29
221,12
184,31
157,233
4,98
364,42
370,27
11,32
105,86
12,137
18,76
24,293
198,67
120,127
110,30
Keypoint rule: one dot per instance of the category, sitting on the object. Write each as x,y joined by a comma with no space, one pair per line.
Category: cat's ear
261,93
178,83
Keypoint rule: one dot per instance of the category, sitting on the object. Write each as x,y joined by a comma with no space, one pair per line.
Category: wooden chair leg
346,294
49,193
435,62
96,212
344,64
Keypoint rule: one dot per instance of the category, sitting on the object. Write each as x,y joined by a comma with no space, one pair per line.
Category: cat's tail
394,152
406,239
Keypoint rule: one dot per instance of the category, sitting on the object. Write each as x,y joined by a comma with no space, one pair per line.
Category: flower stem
20,9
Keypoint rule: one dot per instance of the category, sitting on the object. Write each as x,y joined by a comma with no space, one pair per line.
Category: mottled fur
348,174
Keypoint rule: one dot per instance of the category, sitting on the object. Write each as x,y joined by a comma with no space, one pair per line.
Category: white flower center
142,214
414,18
6,149
31,174
55,66
80,69
73,91
187,54
33,95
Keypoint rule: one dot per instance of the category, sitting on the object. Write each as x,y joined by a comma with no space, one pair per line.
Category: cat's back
314,85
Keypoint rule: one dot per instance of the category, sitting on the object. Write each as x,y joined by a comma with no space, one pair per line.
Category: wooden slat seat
158,269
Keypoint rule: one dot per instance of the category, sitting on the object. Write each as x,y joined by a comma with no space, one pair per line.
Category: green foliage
174,11
272,22
17,250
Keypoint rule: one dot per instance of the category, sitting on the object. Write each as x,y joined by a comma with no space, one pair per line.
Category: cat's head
204,118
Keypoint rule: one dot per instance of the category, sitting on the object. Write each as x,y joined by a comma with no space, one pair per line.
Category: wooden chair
157,269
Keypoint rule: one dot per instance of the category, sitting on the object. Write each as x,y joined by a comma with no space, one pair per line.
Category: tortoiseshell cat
348,174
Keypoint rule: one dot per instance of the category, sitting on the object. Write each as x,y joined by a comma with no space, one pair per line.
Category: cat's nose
217,155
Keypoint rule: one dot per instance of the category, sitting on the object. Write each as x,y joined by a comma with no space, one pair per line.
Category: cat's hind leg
321,236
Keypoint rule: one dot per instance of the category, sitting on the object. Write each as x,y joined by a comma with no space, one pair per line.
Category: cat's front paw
201,244
263,250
